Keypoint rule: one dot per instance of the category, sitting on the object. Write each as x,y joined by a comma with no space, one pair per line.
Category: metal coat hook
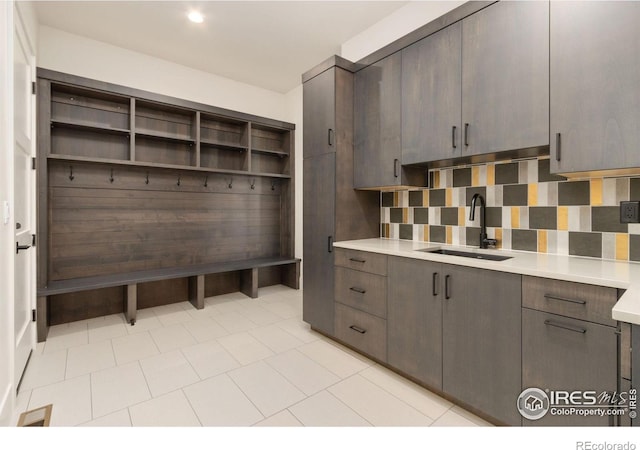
178,183
231,183
206,181
111,177
71,177
253,183
146,181
273,185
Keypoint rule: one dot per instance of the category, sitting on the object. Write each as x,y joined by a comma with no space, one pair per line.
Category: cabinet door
378,124
559,353
481,340
414,319
431,97
595,95
318,224
505,81
318,98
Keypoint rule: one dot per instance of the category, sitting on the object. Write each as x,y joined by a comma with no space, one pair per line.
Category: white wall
77,55
394,26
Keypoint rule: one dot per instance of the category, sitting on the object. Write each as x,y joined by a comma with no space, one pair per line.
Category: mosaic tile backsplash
527,209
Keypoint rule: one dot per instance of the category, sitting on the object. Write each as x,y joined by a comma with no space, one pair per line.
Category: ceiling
263,43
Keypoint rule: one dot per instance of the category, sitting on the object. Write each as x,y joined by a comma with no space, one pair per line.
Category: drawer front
361,290
575,300
362,331
363,261
559,353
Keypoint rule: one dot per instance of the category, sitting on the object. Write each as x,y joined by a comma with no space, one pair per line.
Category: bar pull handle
558,147
565,326
358,290
447,289
331,137
563,299
358,260
435,284
466,134
21,247
330,244
453,136
396,167
358,329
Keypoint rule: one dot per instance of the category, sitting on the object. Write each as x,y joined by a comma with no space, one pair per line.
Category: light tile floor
238,362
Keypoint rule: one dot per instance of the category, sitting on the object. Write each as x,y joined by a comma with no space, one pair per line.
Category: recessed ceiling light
195,17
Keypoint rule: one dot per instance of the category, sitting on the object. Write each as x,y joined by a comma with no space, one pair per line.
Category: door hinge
33,163
33,240
33,87
33,315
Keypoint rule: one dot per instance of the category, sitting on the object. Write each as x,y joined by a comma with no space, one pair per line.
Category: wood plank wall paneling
162,292
98,227
85,305
74,143
221,283
268,276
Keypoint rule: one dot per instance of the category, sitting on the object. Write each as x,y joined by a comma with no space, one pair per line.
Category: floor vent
39,417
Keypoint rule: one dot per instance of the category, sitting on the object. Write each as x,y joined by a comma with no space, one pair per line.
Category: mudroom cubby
145,200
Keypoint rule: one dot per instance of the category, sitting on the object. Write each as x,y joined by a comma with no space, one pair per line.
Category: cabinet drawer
362,331
363,261
560,353
361,290
576,300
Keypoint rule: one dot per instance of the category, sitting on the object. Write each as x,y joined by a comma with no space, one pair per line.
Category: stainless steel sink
488,256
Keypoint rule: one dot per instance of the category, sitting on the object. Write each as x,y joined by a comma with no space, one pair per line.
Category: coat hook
273,185
206,181
71,177
111,177
253,183
231,183
178,183
146,181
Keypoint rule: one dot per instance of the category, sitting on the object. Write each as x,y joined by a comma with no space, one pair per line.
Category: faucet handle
491,242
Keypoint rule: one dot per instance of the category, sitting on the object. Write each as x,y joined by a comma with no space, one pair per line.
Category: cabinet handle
330,137
358,329
562,299
396,163
558,147
565,326
453,136
447,293
435,284
466,134
358,290
358,260
330,244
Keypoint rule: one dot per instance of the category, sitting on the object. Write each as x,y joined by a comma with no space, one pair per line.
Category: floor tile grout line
247,397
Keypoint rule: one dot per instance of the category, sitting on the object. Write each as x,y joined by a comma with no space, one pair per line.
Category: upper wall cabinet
319,115
479,86
595,97
378,126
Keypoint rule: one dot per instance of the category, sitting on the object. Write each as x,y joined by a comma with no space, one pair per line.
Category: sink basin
488,256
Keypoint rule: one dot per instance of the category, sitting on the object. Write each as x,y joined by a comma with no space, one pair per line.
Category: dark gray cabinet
561,353
431,97
481,340
595,97
332,209
378,127
478,86
414,319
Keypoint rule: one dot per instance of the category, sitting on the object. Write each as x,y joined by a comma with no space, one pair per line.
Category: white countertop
616,274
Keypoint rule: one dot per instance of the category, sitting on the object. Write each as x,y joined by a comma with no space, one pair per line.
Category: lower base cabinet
565,354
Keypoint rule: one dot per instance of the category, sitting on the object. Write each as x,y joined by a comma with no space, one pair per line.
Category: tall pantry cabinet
332,209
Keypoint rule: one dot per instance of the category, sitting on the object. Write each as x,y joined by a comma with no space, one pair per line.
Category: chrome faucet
484,242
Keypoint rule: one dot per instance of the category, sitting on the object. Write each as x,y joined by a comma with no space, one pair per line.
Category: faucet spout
484,241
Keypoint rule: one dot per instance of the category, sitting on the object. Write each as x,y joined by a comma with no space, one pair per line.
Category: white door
24,199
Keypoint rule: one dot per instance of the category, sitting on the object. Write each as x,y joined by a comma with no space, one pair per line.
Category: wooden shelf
71,158
90,126
164,136
263,151
223,145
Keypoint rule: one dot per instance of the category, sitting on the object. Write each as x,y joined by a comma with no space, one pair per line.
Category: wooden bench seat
196,273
